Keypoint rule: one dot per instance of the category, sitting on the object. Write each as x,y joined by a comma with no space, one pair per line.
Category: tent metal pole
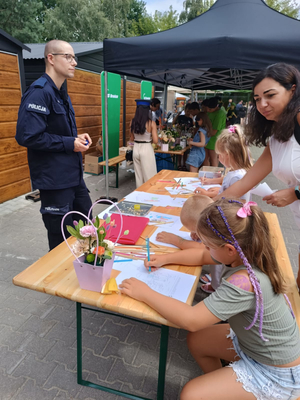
106,134
124,109
192,96
165,102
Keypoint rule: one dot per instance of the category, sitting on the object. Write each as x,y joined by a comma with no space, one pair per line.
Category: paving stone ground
38,331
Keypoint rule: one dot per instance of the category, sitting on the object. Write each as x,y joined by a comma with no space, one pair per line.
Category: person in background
47,127
143,131
204,105
154,108
217,117
198,142
274,122
229,104
185,112
192,109
231,116
241,112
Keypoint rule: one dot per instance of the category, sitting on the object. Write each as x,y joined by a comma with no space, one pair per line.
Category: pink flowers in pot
86,235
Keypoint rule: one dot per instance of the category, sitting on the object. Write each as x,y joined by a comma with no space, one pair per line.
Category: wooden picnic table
54,274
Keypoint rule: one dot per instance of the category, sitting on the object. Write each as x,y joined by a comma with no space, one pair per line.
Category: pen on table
148,252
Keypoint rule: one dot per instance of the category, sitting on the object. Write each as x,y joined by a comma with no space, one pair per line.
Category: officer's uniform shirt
47,127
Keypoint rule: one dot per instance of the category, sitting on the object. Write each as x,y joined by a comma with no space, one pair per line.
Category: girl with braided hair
262,339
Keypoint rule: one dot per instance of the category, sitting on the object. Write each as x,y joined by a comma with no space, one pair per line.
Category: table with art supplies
153,207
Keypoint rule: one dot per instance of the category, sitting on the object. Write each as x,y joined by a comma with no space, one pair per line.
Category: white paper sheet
187,180
170,283
185,235
161,219
262,190
149,198
179,190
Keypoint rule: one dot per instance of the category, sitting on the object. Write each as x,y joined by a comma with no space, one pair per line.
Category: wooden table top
176,152
54,273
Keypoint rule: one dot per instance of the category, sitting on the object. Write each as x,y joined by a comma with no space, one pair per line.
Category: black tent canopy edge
221,49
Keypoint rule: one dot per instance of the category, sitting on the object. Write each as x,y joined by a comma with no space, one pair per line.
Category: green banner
113,112
146,90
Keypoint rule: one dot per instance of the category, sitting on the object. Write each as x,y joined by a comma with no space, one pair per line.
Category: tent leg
106,135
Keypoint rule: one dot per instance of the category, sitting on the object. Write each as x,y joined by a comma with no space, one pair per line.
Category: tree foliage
194,8
73,21
21,19
33,21
287,7
160,21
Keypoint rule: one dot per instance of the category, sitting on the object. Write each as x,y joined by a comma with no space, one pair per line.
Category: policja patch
37,108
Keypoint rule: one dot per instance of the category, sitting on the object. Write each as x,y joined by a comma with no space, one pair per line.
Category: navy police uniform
47,127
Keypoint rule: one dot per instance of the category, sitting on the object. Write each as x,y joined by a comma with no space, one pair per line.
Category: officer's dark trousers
56,203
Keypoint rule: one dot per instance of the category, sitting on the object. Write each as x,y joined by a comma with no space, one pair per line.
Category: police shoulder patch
37,108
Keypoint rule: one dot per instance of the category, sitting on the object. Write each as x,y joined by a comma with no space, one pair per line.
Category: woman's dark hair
142,116
258,128
194,106
212,102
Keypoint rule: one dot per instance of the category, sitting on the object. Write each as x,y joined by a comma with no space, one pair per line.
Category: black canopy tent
221,49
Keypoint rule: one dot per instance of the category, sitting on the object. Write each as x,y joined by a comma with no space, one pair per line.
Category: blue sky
163,5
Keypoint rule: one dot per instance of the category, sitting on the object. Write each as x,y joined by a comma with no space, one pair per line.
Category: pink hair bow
245,211
231,128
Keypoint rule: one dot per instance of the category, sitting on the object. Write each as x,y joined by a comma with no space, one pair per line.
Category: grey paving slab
38,331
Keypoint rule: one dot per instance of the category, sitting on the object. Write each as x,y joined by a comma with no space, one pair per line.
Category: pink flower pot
165,147
91,277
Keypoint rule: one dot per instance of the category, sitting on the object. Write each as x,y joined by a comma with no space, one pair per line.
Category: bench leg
117,175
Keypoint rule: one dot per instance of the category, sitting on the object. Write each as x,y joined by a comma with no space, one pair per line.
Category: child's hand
134,288
167,237
205,181
155,262
200,190
194,236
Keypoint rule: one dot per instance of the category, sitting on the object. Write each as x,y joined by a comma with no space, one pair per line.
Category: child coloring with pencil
262,339
197,152
234,154
189,214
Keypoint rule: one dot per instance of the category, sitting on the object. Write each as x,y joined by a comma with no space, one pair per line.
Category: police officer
47,127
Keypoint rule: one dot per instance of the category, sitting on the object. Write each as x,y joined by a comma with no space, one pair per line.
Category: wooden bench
114,162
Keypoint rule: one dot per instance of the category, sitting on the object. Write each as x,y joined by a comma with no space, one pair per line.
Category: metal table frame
164,336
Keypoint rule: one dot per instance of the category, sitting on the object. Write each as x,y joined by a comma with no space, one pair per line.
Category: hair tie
231,129
245,211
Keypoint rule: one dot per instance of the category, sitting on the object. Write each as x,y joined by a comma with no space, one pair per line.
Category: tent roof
80,49
221,49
